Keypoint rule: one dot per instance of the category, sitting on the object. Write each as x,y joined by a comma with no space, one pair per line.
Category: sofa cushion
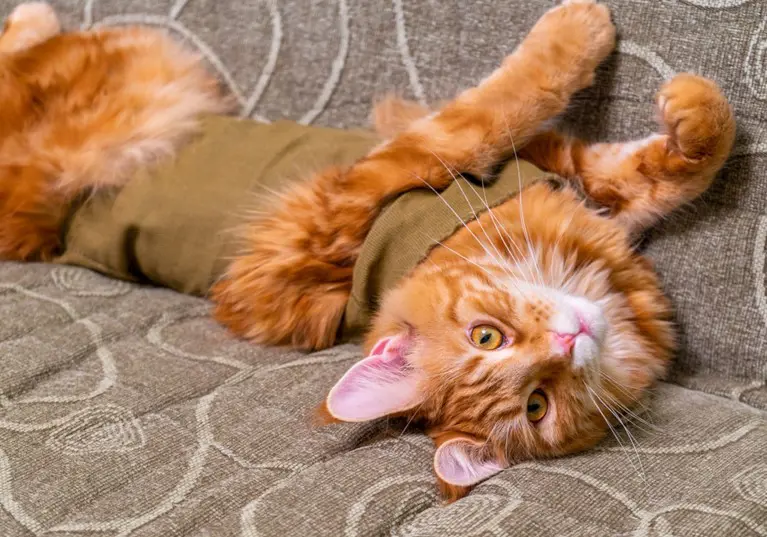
126,411
325,61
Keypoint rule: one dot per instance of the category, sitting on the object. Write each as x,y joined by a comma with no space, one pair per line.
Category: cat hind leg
29,24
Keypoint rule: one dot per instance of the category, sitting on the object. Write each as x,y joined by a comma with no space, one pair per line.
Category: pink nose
566,341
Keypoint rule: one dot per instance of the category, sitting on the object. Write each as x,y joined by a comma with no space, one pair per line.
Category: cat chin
586,351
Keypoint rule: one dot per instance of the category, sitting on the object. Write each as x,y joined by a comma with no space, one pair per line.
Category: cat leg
393,115
642,181
29,24
31,230
292,284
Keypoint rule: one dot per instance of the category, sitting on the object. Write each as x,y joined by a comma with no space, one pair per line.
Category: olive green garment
177,224
415,222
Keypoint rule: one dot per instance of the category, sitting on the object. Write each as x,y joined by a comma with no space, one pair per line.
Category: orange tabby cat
523,344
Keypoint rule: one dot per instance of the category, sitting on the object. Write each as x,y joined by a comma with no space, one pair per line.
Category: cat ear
381,384
462,461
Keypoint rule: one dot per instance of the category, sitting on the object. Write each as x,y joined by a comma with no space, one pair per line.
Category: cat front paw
583,33
697,118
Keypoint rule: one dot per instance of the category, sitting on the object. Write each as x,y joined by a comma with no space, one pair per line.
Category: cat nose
565,341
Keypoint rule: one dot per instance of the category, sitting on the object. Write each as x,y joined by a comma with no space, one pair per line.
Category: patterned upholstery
124,411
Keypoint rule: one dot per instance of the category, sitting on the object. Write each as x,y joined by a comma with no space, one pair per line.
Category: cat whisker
619,387
410,419
625,392
609,426
633,417
630,416
474,213
497,223
491,434
498,282
471,208
555,248
276,193
521,206
458,217
456,178
505,266
640,469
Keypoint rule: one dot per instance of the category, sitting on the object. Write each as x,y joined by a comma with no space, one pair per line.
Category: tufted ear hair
461,461
381,384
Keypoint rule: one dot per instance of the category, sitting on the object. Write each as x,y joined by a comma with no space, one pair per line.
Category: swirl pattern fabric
125,411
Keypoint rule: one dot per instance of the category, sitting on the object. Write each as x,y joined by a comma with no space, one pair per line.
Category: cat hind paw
29,24
696,117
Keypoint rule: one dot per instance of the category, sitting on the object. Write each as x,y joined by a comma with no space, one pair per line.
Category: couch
125,411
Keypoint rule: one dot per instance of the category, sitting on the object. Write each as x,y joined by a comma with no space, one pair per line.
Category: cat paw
29,24
584,35
566,2
696,117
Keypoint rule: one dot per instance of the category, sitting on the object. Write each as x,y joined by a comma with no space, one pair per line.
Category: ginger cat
526,334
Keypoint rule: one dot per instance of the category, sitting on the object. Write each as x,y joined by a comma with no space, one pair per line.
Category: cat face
505,362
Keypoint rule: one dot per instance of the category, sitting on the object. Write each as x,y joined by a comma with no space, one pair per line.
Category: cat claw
661,103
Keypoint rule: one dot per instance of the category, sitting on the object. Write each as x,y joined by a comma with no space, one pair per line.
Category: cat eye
486,337
537,405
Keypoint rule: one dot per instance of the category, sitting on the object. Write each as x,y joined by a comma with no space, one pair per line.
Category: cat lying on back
521,326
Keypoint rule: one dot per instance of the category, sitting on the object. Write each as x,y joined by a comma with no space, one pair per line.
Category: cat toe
586,21
696,116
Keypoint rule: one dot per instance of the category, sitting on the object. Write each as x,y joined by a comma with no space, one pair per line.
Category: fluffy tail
82,111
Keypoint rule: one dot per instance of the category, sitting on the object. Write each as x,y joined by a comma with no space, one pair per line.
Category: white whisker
607,422
640,470
496,223
479,221
471,207
497,280
458,217
632,416
521,206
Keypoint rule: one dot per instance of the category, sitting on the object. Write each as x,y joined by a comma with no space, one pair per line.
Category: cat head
504,363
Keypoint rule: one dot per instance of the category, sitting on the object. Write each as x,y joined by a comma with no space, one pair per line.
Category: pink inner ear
382,383
464,463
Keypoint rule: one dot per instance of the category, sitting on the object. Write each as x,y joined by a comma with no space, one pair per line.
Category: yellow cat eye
486,337
537,405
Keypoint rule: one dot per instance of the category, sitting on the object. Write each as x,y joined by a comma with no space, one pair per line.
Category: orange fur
322,223
83,110
474,394
392,115
643,181
573,248
558,245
